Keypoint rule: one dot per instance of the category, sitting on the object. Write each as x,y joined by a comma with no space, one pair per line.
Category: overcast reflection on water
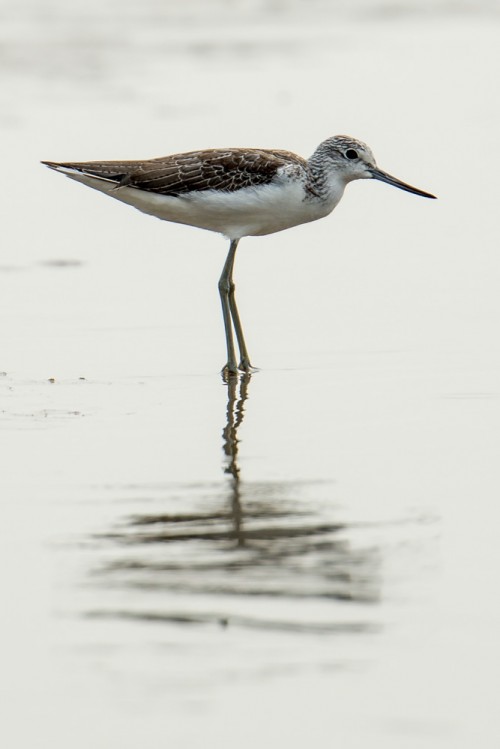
257,539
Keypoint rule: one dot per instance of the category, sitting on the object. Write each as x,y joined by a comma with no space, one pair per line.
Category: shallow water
307,555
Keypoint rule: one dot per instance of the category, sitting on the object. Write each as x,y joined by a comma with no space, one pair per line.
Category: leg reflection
237,394
212,543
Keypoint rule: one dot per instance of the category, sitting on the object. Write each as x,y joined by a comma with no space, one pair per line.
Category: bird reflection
236,539
237,394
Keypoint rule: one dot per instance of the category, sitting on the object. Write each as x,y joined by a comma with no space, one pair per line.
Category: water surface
307,555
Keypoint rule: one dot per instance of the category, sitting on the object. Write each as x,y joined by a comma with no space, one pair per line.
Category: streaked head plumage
349,159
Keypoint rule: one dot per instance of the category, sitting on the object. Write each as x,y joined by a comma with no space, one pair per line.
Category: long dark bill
384,177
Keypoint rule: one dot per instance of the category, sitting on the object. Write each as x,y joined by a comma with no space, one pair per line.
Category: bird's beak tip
390,180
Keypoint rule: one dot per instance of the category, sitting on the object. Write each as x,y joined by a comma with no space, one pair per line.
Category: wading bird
238,192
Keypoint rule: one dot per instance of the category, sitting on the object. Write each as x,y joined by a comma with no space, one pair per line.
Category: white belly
251,211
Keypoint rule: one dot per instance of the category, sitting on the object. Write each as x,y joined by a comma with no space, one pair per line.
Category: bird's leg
244,356
225,282
231,315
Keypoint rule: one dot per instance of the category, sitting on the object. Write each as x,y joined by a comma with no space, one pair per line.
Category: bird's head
351,159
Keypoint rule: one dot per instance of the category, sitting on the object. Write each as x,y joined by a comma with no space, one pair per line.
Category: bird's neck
325,182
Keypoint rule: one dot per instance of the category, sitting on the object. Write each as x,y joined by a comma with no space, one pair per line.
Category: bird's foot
229,372
246,367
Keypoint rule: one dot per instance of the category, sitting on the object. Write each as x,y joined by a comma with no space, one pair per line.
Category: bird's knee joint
226,286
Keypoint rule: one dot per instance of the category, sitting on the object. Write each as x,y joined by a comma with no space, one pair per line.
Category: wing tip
77,171
60,167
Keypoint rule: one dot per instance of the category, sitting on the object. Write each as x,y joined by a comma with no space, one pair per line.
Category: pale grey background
363,608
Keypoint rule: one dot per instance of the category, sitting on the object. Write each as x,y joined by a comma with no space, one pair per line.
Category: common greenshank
238,192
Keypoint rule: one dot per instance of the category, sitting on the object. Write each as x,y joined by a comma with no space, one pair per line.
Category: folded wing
218,169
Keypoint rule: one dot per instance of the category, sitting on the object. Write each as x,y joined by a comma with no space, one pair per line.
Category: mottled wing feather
229,170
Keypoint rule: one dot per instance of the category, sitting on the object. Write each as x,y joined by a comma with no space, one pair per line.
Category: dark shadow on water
272,543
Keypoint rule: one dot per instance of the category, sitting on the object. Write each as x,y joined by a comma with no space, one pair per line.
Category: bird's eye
351,154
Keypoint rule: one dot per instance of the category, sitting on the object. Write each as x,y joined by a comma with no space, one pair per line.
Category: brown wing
217,169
